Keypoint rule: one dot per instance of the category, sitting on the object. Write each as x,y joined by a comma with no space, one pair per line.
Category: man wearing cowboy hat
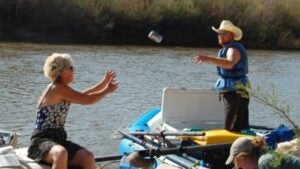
232,67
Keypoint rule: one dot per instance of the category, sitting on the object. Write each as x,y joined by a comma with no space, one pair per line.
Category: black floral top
52,116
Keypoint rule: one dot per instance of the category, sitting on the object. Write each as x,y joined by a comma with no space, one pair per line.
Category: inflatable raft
186,132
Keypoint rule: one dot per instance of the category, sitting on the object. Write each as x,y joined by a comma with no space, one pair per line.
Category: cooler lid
192,108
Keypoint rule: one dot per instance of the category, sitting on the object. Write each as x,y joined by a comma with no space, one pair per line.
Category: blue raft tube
130,145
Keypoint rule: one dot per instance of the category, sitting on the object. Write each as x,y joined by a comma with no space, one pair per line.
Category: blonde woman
48,142
246,153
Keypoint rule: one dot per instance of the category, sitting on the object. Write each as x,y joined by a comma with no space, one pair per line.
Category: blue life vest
229,78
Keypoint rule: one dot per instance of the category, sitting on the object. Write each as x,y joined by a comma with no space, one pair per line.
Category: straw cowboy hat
226,25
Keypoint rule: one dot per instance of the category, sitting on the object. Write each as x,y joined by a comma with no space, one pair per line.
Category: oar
179,150
168,133
119,135
148,145
108,158
154,151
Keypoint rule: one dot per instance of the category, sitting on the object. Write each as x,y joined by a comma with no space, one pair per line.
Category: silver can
156,37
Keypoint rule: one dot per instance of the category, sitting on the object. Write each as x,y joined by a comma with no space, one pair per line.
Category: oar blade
119,134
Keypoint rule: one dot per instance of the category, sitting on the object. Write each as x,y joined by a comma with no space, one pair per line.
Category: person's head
58,66
244,152
228,32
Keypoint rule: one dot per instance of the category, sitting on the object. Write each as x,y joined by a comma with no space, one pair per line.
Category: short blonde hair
55,63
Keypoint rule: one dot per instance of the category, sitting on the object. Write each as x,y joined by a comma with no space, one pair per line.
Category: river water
142,73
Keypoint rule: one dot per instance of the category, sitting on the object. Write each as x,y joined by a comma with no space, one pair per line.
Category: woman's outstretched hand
109,75
111,82
112,86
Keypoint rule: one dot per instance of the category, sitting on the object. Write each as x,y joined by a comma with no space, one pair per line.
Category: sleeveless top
229,78
52,116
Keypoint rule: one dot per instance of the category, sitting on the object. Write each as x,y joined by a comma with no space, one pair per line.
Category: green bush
266,23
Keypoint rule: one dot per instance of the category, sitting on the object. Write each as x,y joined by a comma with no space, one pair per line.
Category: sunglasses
222,33
71,68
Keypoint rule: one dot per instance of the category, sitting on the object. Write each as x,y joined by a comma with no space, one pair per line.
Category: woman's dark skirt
42,141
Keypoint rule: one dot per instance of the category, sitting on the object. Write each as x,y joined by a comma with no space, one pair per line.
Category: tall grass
270,99
265,23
